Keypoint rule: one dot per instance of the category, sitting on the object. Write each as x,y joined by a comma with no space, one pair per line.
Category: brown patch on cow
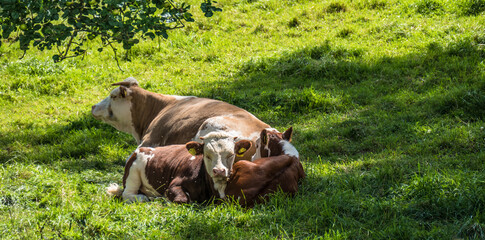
173,174
270,141
161,120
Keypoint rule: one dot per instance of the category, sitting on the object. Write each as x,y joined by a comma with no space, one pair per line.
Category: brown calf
280,168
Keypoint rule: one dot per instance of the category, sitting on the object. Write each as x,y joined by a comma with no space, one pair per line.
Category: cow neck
208,181
145,107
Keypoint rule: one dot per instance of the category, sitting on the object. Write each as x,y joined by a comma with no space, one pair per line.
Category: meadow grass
387,101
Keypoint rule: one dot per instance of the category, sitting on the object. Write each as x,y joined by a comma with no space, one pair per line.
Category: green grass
387,101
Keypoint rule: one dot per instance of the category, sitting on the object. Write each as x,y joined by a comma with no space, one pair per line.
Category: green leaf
55,58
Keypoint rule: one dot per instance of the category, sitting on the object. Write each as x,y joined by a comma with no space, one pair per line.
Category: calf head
271,141
116,108
219,154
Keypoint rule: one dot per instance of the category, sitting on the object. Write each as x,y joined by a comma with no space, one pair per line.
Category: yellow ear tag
192,151
241,152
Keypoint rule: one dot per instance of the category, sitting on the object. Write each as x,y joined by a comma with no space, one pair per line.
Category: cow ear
241,147
288,134
264,137
123,91
195,148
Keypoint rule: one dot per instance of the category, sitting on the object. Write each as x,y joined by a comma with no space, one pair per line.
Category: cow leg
133,184
176,194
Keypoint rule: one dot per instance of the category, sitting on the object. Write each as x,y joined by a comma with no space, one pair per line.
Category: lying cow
158,120
280,168
171,171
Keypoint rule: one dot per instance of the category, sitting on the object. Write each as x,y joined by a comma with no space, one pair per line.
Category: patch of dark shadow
336,7
7,201
81,164
375,4
467,48
435,197
78,139
427,7
354,130
471,7
287,101
384,96
472,230
311,64
201,229
344,33
293,23
466,103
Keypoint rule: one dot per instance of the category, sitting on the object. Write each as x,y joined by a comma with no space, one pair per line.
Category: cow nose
220,172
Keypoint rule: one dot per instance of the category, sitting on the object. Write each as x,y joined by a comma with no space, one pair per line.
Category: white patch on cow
257,155
289,149
192,158
219,156
210,125
257,136
178,98
116,111
272,130
137,180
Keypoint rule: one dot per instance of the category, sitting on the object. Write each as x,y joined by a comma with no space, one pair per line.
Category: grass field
386,98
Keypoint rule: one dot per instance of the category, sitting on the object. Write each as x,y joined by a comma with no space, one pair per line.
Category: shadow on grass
80,144
347,105
407,129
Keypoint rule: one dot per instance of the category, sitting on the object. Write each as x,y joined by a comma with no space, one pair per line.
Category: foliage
48,24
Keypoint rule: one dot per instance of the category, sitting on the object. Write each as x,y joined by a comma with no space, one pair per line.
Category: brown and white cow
280,168
169,171
158,120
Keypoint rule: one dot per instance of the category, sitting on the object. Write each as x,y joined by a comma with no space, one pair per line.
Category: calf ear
195,148
288,134
241,147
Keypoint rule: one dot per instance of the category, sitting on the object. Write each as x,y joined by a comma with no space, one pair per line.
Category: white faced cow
218,150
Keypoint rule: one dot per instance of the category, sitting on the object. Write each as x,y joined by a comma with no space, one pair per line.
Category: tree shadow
349,105
80,144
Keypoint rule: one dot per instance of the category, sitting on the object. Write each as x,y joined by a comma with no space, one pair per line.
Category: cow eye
113,97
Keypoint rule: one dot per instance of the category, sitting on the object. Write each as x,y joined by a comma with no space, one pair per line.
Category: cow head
116,108
219,154
271,141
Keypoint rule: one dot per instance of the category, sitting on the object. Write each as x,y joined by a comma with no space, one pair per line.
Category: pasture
386,99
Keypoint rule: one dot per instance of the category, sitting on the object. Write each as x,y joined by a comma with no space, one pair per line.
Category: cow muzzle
94,113
220,172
